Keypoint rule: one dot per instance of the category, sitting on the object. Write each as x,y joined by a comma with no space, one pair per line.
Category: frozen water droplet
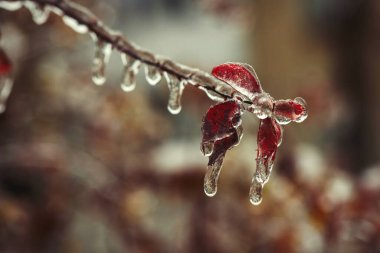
262,105
303,113
152,74
40,13
11,6
256,192
102,54
175,93
207,148
73,24
212,175
6,83
131,69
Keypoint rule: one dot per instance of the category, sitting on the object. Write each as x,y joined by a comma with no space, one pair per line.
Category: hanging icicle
102,54
152,75
131,69
176,88
40,13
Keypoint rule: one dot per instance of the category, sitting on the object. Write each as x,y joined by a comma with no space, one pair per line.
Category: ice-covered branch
82,20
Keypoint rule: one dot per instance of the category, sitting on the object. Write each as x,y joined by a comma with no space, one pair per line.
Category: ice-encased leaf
102,54
268,139
220,121
216,161
176,88
221,131
131,69
152,75
242,77
289,110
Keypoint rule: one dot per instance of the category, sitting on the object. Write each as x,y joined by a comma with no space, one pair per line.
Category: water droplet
175,93
152,74
6,83
255,192
73,24
262,105
131,69
102,54
212,175
11,6
40,13
207,148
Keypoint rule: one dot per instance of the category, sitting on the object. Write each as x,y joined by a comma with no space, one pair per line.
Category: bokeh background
93,169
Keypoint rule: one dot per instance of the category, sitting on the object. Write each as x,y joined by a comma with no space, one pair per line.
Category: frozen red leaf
241,77
220,120
289,110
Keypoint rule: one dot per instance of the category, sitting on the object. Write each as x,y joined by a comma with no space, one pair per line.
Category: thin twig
83,16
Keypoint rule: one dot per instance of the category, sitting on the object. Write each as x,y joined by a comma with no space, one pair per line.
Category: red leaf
241,77
221,120
290,110
268,139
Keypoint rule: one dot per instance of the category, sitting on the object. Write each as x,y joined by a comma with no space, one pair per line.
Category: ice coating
102,54
11,6
262,105
131,69
216,161
221,131
73,24
176,88
40,13
289,110
269,139
152,75
221,120
240,76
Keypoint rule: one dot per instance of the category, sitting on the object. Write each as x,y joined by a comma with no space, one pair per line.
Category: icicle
176,89
11,6
131,69
40,14
73,24
6,83
212,94
212,175
152,75
256,192
102,54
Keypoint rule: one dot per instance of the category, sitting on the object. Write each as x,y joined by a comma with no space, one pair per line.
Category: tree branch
83,17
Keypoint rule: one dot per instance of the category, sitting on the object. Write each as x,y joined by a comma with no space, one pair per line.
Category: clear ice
176,88
131,69
152,74
102,54
73,24
40,13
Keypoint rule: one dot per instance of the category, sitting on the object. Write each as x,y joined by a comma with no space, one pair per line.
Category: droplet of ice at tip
131,69
102,54
304,114
39,13
152,75
6,83
73,24
11,6
175,93
255,193
211,178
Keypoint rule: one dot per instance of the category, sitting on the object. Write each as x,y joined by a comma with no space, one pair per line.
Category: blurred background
93,169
